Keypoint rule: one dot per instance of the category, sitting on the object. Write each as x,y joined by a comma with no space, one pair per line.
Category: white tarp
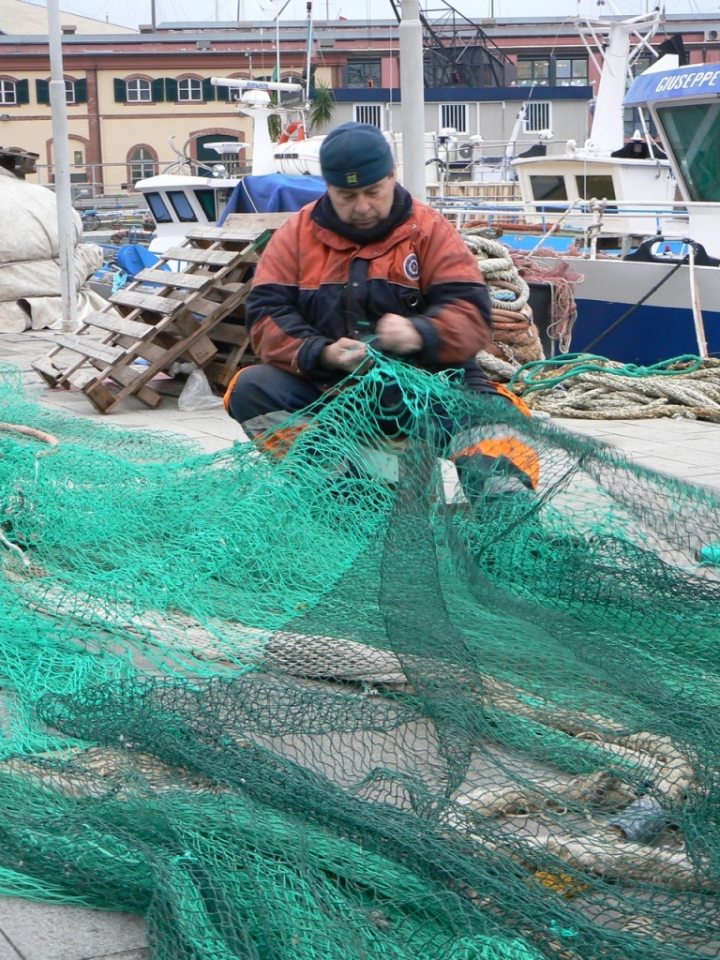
29,259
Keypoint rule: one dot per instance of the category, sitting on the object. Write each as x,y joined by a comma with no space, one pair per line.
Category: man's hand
397,335
345,354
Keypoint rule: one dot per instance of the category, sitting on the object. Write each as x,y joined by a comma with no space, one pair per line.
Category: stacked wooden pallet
165,316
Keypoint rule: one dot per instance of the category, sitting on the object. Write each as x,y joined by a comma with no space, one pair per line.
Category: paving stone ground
689,450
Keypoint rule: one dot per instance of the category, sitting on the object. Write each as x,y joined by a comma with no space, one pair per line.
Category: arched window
69,91
190,89
138,90
142,163
7,91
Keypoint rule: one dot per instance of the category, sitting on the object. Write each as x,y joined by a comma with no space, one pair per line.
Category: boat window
548,188
158,209
182,206
692,132
206,199
595,188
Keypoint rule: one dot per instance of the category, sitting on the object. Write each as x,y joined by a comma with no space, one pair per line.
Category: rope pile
515,336
589,387
562,279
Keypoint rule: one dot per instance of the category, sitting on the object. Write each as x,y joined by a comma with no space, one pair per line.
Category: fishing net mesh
305,699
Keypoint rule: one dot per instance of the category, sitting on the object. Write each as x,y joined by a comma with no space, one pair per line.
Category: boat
662,299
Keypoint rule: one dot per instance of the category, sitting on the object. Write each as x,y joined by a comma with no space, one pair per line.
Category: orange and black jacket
313,286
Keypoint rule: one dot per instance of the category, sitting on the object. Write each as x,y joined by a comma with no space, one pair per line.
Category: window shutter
120,90
222,93
81,91
208,89
171,89
42,91
22,91
157,90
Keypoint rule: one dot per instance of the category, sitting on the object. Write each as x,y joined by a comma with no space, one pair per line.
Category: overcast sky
132,12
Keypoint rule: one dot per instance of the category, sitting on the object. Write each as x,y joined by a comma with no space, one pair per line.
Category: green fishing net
307,699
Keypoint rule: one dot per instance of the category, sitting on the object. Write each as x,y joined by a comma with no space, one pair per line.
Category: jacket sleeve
456,322
278,332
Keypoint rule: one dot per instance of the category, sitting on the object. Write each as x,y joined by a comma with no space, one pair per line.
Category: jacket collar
331,239
334,240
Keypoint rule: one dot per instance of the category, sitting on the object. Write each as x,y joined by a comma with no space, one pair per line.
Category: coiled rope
515,336
586,386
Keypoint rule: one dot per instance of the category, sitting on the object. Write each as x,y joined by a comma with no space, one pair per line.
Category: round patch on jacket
411,267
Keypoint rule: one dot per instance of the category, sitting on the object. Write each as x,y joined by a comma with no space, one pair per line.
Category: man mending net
368,265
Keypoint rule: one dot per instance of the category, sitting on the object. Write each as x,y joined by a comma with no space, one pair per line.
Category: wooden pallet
170,322
230,336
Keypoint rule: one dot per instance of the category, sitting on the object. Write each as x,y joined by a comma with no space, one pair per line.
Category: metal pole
277,38
153,15
61,158
412,85
309,52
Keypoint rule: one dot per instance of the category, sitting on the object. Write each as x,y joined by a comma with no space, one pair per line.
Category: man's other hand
345,354
397,335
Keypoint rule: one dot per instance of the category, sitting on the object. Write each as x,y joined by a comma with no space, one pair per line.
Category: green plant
323,106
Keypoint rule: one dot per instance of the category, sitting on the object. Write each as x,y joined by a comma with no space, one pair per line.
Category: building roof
18,17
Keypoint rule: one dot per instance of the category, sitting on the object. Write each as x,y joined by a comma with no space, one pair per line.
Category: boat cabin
178,203
684,102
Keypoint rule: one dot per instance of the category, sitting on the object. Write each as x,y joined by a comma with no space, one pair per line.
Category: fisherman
367,264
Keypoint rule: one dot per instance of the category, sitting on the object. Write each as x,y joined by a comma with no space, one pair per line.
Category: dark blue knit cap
355,155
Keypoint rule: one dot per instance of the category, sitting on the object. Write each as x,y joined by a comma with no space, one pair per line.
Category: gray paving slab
7,950
41,931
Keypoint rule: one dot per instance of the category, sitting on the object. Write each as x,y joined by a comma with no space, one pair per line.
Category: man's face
364,207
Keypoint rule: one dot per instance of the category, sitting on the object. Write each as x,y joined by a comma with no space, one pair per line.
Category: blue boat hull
647,335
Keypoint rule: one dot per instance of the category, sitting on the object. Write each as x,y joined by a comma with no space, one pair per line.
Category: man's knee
261,396
244,393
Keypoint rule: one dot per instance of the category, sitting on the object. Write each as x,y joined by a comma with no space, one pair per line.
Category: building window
190,89
538,116
142,164
453,116
138,90
363,73
69,91
552,71
369,113
571,72
7,91
533,71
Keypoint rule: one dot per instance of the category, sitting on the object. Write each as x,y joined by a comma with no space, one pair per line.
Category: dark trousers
262,396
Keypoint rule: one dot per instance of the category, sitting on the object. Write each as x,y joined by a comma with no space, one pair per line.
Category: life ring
293,131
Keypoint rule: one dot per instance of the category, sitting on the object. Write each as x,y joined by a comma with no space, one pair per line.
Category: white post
308,77
61,161
412,87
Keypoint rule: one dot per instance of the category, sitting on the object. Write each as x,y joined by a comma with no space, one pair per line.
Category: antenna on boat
255,103
617,56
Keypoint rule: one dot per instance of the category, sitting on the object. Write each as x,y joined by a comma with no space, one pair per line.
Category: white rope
496,266
600,395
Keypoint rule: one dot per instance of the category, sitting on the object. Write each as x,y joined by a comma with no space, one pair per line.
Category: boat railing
544,213
98,181
587,221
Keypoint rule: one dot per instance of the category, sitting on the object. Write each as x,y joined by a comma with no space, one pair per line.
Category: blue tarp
272,193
